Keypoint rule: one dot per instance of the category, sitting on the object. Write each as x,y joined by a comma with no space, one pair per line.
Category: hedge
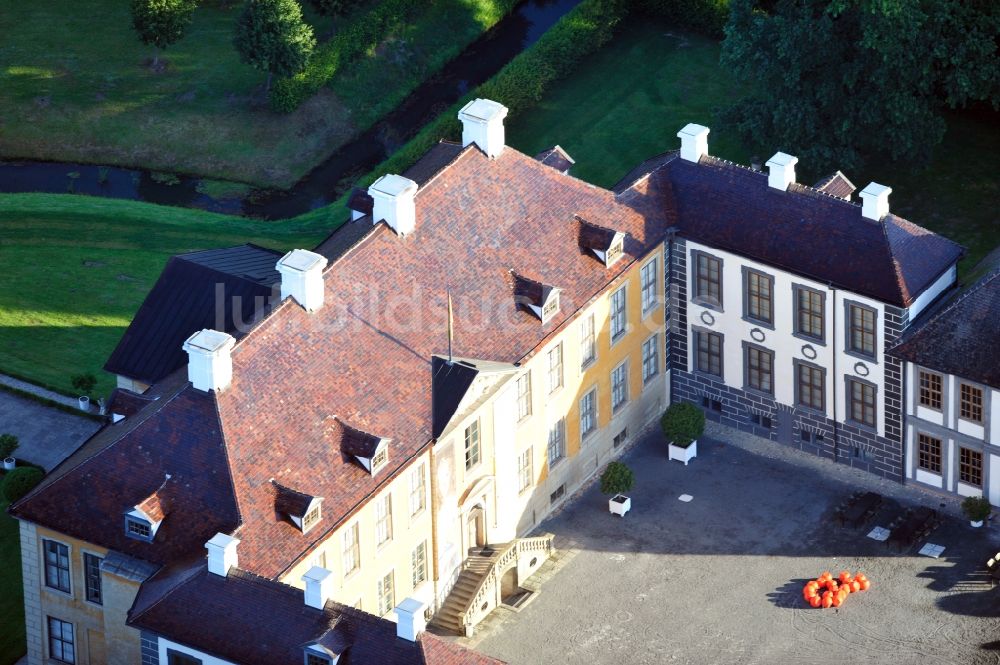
522,82
354,39
705,16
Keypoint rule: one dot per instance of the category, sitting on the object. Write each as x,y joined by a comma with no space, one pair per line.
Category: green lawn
626,103
12,644
75,88
76,268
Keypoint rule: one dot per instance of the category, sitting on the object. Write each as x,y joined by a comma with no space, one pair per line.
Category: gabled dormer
541,299
371,451
328,648
606,244
143,520
304,510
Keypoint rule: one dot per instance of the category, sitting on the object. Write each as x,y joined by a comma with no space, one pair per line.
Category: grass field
76,269
12,597
652,82
76,88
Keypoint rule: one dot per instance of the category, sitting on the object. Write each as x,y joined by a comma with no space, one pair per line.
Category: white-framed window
352,549
93,587
588,341
648,279
524,396
555,368
175,657
650,358
619,386
418,491
57,575
472,454
138,528
383,520
557,442
310,519
380,459
618,319
385,594
317,659
418,559
62,641
524,471
319,559
588,413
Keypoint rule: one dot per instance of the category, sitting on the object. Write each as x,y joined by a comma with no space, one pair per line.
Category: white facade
945,450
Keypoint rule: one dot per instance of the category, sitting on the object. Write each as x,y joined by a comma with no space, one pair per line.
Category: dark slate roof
557,158
963,338
209,613
593,236
127,403
803,231
837,185
183,301
433,162
361,201
344,237
359,443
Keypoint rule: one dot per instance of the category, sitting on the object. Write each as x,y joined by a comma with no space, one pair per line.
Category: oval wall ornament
809,352
757,334
861,369
707,318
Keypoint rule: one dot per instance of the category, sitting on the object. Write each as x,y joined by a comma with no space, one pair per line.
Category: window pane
709,358
618,313
419,558
524,471
759,300
524,397
555,368
417,492
930,390
811,382
588,346
557,441
648,275
862,334
971,407
92,577
650,358
619,387
929,453
472,445
708,283
970,466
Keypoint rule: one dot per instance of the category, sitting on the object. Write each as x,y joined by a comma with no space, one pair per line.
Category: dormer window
301,508
136,527
606,244
540,299
371,451
316,655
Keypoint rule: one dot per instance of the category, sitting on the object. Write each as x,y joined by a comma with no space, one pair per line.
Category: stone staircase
477,566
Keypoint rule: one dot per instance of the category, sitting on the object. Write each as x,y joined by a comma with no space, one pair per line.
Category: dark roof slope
557,158
803,231
126,464
209,612
185,300
963,338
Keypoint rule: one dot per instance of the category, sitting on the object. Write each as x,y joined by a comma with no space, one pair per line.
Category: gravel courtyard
719,579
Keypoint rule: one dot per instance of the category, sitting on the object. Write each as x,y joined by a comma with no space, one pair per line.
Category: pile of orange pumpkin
825,591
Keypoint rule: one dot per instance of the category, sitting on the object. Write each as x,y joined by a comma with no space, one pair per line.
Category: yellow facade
360,587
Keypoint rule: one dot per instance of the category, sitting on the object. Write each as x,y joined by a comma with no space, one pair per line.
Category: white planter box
9,463
84,403
619,504
976,524
684,454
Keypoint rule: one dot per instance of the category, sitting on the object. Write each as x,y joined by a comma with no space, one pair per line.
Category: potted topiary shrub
8,444
977,509
85,383
618,479
682,424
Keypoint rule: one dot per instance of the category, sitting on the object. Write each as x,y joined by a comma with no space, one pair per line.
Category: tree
271,36
335,7
161,23
617,479
836,82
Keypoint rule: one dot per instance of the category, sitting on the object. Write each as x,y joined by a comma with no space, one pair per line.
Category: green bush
682,423
20,481
85,383
976,508
705,16
8,444
617,479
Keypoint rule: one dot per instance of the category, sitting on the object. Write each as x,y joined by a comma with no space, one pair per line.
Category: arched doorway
475,528
508,583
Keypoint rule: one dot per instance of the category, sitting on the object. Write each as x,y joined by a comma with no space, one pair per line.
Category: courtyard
719,578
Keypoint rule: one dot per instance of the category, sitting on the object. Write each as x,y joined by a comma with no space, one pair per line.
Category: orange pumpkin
865,585
845,589
815,601
826,575
838,600
861,577
827,600
856,585
844,576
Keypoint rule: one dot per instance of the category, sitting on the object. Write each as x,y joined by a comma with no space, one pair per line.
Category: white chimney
394,202
694,142
875,201
781,170
319,586
410,621
222,554
482,124
302,278
210,361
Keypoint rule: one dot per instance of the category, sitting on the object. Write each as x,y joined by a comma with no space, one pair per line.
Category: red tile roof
364,357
